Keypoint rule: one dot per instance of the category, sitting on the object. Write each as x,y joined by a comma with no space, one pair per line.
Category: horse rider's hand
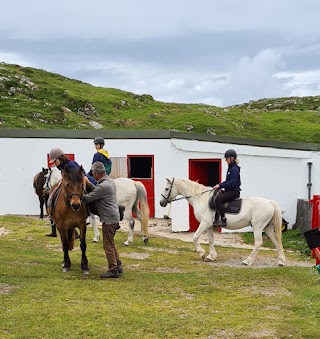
216,187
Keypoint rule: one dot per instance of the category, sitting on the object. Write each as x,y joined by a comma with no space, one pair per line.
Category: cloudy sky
206,51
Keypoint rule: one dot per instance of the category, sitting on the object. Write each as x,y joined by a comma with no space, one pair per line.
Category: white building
274,170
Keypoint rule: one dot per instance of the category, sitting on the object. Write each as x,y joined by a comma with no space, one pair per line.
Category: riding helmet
230,153
98,140
54,154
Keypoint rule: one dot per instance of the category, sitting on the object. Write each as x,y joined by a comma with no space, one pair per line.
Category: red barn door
141,168
206,172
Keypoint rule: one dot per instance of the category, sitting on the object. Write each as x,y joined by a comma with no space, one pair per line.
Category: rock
95,124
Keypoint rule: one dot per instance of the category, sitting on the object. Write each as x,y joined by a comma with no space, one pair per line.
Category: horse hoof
146,240
207,259
95,240
85,272
203,257
280,264
65,269
126,243
244,262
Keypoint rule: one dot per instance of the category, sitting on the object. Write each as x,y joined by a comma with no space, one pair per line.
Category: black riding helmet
98,140
230,153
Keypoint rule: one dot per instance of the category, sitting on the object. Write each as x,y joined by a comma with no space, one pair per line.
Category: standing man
104,195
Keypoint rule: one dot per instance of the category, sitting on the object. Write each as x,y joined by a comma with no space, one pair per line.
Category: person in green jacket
101,155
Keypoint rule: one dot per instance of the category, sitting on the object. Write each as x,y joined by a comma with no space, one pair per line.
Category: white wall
272,173
23,158
276,174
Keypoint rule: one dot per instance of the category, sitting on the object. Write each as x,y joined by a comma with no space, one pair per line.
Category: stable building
279,171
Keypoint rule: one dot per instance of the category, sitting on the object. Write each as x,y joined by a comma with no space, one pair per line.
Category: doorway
141,168
206,172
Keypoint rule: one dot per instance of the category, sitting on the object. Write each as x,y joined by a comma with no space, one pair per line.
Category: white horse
262,214
52,177
132,195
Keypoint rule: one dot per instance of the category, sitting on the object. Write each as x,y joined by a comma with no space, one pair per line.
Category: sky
220,53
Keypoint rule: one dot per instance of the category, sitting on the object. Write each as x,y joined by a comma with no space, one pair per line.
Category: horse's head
169,192
73,186
46,185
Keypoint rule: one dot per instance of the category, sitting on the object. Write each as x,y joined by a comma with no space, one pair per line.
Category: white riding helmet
54,154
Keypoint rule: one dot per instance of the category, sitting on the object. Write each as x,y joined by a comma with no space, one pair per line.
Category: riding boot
53,232
220,223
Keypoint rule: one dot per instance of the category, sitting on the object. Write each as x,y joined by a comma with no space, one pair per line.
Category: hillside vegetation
33,98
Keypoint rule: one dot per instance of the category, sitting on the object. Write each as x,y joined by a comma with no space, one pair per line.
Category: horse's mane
192,187
74,176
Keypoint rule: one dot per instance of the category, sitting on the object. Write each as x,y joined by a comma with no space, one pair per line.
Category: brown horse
69,212
38,182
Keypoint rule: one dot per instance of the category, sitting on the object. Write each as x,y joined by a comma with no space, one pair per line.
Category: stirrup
220,223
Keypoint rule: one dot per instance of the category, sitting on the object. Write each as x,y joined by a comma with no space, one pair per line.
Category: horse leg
212,252
41,207
130,233
272,236
65,245
83,246
257,233
138,214
95,228
196,236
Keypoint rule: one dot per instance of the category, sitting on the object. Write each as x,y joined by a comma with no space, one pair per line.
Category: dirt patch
139,256
6,289
162,228
153,249
3,231
260,262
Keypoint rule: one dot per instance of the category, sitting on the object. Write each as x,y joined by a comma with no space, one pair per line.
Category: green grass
287,119
170,294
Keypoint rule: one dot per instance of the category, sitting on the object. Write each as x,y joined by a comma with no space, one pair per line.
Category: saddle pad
233,206
55,197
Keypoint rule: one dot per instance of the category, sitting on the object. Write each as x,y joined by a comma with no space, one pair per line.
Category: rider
62,161
101,155
231,186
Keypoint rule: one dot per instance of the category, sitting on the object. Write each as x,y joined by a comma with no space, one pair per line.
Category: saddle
233,207
53,199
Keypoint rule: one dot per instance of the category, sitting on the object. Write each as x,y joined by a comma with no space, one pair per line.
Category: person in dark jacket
62,161
101,155
231,186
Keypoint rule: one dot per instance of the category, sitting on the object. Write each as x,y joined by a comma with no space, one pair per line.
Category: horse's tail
277,222
144,208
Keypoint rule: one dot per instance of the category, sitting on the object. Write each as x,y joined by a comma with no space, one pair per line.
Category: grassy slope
170,294
294,119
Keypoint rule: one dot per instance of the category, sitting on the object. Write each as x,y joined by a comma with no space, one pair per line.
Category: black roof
150,134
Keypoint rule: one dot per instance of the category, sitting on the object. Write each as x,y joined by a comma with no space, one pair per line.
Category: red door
141,168
206,172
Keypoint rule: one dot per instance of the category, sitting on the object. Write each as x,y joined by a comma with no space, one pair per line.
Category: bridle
76,194
186,197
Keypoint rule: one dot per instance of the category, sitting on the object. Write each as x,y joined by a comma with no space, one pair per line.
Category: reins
186,197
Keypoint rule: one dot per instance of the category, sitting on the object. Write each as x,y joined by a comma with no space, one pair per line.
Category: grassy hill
33,98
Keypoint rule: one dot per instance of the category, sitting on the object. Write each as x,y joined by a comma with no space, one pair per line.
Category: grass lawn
166,291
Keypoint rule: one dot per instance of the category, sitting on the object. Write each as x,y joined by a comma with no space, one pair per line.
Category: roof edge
149,134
